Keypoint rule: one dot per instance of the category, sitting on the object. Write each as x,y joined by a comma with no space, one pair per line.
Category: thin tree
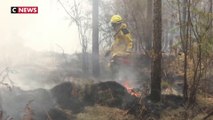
82,23
185,46
95,41
184,34
149,24
157,54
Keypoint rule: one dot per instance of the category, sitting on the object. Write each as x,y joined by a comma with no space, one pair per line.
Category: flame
130,90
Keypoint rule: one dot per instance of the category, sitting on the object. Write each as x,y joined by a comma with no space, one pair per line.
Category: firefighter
122,44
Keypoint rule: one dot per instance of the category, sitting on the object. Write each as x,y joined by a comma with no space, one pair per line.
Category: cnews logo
24,10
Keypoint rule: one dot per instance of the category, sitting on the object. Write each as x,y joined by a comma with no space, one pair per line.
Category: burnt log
67,97
110,94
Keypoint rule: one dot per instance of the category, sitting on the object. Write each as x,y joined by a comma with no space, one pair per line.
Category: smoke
14,103
135,73
127,74
26,42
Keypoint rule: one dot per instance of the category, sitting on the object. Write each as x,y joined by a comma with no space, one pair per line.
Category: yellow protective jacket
123,43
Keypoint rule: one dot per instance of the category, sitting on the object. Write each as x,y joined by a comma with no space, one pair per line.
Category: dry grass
203,110
103,113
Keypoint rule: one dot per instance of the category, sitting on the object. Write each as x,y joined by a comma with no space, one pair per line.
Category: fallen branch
48,115
210,114
28,111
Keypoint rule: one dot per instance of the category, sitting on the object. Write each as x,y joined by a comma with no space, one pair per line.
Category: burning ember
130,90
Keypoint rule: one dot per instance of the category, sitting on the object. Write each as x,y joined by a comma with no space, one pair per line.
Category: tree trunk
149,25
95,42
211,11
185,48
156,63
85,67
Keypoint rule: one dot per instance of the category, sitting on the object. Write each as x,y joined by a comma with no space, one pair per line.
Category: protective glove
129,50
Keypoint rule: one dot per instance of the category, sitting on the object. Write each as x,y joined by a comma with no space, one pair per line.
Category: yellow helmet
116,19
